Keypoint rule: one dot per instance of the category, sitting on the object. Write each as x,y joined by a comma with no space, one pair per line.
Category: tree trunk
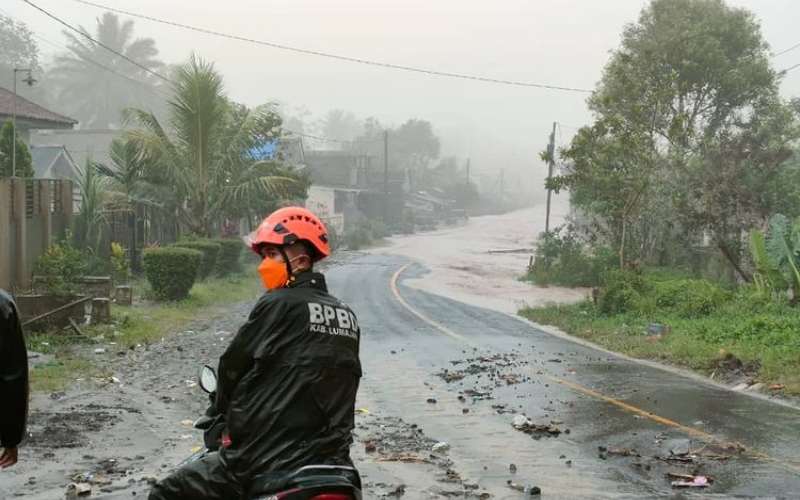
734,262
622,245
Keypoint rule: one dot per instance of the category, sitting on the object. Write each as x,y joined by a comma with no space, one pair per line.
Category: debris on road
524,424
528,490
440,447
689,481
78,490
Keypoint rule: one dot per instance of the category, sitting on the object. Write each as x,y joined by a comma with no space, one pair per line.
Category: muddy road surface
457,401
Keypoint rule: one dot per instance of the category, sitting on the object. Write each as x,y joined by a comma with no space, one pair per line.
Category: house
82,144
339,187
54,162
30,116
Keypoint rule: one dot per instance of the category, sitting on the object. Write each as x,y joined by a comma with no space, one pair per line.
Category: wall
33,214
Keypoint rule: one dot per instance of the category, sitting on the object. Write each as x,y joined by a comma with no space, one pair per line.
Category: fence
33,214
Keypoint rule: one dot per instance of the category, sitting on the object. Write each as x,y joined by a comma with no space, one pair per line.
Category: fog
562,43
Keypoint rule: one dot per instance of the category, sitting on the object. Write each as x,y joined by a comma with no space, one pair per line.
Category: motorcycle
312,482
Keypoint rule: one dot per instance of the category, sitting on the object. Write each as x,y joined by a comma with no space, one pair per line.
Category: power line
101,44
795,46
159,75
336,56
790,68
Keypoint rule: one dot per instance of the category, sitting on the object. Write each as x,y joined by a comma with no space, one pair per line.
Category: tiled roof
29,110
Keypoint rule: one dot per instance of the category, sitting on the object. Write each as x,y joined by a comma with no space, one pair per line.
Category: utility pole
551,161
385,176
467,172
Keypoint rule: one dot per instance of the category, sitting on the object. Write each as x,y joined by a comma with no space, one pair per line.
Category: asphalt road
603,400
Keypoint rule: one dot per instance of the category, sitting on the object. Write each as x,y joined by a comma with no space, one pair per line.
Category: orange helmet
288,225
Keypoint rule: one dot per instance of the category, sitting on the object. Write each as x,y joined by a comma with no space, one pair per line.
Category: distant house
53,162
82,144
30,116
338,181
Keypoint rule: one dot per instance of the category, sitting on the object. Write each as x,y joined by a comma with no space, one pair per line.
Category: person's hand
8,458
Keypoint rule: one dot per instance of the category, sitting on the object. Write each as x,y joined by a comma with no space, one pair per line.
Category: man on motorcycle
288,380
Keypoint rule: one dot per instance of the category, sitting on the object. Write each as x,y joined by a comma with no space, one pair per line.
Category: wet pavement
457,401
606,403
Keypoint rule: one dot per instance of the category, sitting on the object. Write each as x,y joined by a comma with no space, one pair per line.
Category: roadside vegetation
144,322
685,202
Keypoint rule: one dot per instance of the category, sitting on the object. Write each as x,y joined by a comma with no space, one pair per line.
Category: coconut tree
203,154
95,95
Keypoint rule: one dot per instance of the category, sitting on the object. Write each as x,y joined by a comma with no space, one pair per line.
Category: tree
95,95
87,230
692,81
610,170
341,125
18,49
24,164
204,157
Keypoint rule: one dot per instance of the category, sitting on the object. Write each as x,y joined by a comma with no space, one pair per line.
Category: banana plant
777,256
767,277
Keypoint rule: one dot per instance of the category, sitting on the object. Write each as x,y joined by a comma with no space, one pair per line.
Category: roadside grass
762,336
144,322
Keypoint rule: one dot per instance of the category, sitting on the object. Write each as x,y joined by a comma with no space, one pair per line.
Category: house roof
31,111
46,164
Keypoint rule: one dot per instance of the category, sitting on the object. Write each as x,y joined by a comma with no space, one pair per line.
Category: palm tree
204,156
95,95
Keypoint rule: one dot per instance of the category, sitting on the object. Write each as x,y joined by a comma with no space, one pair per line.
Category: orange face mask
273,274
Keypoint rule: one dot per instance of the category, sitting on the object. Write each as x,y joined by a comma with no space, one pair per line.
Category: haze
559,43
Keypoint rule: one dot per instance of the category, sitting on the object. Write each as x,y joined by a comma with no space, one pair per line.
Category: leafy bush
562,260
230,253
357,237
210,251
120,267
171,271
59,267
622,291
364,234
689,298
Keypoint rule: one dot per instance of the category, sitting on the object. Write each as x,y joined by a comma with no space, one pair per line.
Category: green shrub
357,237
377,229
622,291
59,267
229,257
171,271
562,260
689,298
210,251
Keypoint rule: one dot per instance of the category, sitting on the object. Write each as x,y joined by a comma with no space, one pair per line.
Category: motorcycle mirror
208,379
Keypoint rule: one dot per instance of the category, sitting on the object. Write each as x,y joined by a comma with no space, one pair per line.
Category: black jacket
288,381
13,374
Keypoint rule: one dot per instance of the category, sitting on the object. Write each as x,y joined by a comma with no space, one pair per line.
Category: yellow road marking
691,431
441,328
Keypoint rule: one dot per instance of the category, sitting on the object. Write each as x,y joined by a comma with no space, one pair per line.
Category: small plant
120,266
59,267
171,271
210,251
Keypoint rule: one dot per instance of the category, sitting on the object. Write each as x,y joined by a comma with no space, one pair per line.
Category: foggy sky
564,42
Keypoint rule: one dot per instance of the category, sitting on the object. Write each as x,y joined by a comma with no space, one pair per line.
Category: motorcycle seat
331,477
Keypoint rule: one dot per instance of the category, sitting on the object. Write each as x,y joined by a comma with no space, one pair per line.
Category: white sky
563,42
